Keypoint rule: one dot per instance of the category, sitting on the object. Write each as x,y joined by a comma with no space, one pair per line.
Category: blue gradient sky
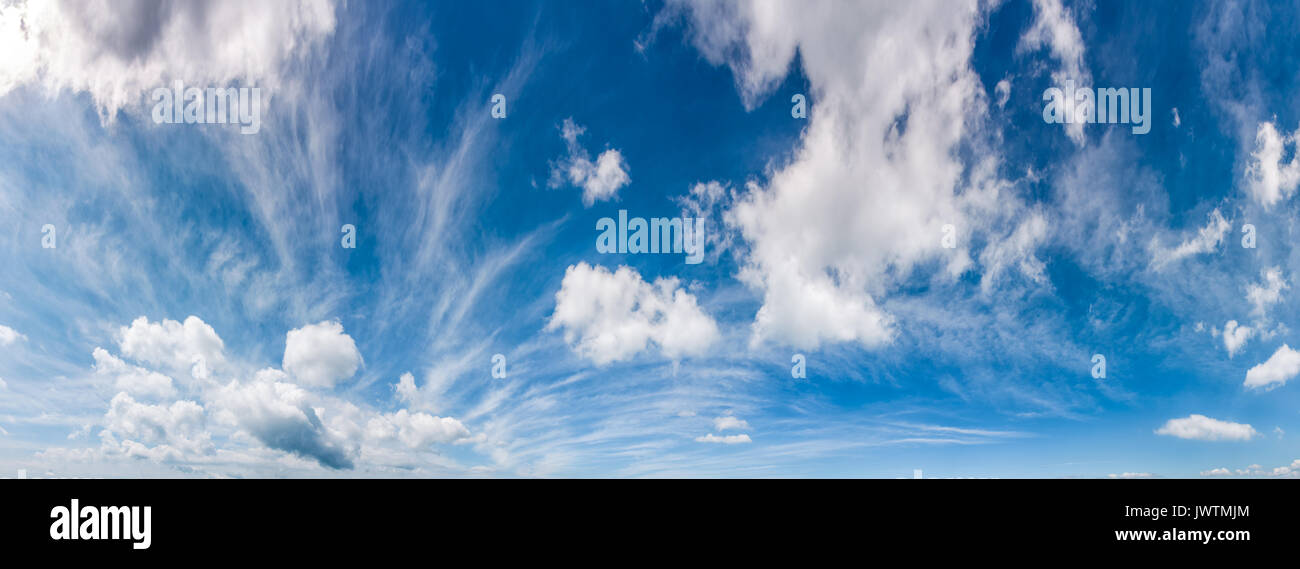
473,240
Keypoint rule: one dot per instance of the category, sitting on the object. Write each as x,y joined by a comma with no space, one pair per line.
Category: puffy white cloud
157,432
321,355
726,440
729,422
601,180
405,388
119,50
192,347
1268,180
1234,337
9,335
1207,239
1130,475
608,317
1280,367
877,174
1202,428
281,416
416,430
132,379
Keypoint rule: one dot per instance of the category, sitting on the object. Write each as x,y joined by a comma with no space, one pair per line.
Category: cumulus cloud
608,317
1202,428
321,355
1268,180
157,432
599,180
191,347
877,164
1130,475
416,430
726,440
729,422
118,50
1234,337
132,379
9,335
405,388
269,409
1280,367
280,415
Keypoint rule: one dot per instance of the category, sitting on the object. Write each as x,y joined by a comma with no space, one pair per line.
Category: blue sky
198,314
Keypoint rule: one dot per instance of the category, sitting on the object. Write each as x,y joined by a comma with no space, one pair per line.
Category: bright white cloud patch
1234,337
321,355
1202,428
877,164
163,432
599,180
416,430
132,379
9,335
729,422
192,347
1281,367
607,317
1268,179
281,416
726,440
120,50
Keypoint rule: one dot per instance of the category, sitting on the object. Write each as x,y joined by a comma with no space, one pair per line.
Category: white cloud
132,379
1268,181
1234,337
609,317
726,440
878,162
1268,292
1207,239
1054,27
729,422
1131,475
1176,120
1280,367
282,417
157,432
416,430
601,180
9,335
1202,428
120,50
192,347
1003,91
321,355
1289,471
405,388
